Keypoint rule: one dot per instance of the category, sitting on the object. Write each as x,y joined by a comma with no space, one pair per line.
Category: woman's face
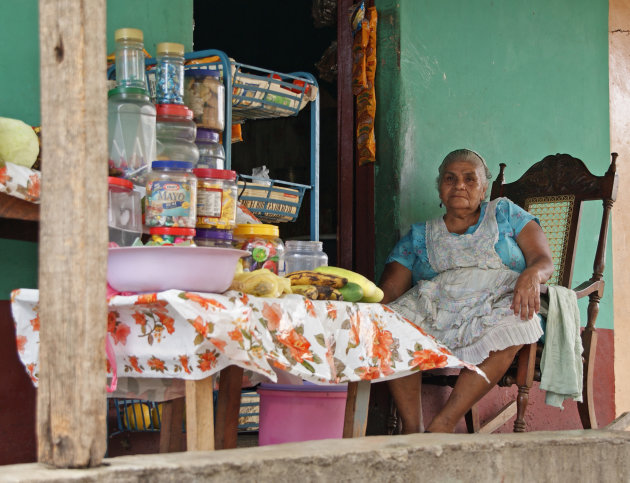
463,186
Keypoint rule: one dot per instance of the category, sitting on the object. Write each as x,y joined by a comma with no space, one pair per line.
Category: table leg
228,406
357,403
199,415
171,435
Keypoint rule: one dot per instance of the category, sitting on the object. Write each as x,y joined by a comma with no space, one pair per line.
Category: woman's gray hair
463,155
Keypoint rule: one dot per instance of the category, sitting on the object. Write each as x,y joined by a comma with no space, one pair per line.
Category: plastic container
169,73
131,121
204,93
300,413
171,198
211,152
213,237
175,133
216,198
264,245
171,236
130,69
154,269
303,255
124,217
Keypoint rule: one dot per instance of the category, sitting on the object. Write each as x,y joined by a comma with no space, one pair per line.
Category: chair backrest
553,190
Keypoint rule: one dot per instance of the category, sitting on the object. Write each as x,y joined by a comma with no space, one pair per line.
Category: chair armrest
588,287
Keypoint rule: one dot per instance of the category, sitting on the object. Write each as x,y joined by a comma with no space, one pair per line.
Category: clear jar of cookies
204,94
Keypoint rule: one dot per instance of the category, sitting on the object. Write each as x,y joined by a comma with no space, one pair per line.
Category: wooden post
199,415
71,409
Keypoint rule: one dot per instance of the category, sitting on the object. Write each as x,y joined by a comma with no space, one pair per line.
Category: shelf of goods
254,93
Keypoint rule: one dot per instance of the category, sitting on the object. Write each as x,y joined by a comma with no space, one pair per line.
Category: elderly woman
476,275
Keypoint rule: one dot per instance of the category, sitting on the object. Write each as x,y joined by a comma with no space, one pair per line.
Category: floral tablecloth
185,335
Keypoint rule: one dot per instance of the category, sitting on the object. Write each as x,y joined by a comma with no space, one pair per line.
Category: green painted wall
513,80
160,20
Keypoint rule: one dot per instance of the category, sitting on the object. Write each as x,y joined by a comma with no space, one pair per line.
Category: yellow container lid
170,48
127,33
256,229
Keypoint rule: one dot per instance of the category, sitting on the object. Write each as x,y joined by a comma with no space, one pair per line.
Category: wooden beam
199,415
357,403
71,410
622,423
228,407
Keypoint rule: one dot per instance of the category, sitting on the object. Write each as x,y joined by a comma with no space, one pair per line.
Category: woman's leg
470,388
406,393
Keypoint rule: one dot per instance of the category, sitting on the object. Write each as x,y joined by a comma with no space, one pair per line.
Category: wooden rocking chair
553,190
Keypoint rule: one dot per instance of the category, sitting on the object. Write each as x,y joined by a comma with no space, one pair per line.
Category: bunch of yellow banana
334,283
261,283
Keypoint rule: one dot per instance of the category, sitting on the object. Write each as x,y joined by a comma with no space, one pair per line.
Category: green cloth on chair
561,361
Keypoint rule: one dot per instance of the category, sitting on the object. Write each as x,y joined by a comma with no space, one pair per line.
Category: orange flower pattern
175,334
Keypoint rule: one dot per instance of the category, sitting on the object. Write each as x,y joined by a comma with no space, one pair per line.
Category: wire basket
272,201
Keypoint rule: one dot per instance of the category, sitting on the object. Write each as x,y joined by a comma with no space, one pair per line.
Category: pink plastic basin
154,269
300,413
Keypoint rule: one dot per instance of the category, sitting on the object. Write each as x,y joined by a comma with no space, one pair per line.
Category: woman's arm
533,243
396,280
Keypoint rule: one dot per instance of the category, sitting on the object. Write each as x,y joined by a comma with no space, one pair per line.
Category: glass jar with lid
216,198
175,133
204,93
211,152
171,198
214,237
169,73
130,69
304,255
131,118
264,245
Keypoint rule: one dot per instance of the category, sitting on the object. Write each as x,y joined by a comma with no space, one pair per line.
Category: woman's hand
533,243
395,281
526,301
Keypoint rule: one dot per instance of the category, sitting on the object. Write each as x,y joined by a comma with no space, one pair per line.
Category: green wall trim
515,81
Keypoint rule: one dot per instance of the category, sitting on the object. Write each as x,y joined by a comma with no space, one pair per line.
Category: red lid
125,183
171,230
215,173
177,110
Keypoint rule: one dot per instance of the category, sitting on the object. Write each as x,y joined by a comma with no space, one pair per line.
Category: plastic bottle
124,213
211,152
304,255
131,121
171,198
130,69
170,73
176,132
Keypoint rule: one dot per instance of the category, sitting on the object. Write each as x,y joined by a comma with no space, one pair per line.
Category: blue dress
464,284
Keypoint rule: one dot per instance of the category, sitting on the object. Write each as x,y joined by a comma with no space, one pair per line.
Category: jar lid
214,233
171,230
215,173
128,90
128,33
177,110
122,182
257,229
207,135
172,165
170,48
202,72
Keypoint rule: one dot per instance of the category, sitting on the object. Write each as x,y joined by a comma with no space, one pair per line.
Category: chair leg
586,408
524,380
472,419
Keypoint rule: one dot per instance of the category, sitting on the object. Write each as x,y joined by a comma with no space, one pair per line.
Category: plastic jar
175,134
216,198
130,70
264,245
304,255
171,198
131,121
169,73
211,152
213,237
124,213
204,93
169,235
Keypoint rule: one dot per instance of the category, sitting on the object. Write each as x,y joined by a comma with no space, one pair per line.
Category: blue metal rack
252,93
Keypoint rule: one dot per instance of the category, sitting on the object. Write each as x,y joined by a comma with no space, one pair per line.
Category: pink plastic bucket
300,413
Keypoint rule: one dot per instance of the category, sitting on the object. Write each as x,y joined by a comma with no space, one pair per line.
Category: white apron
467,305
